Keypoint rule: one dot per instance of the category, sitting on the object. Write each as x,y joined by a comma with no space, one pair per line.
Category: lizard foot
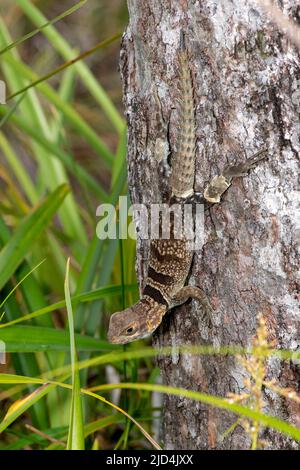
241,169
219,184
192,292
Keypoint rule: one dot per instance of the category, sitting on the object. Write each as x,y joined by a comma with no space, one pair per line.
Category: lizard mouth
118,340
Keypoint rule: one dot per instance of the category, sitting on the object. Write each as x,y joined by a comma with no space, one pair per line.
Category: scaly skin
170,259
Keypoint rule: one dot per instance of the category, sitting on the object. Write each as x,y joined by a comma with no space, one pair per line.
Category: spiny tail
183,161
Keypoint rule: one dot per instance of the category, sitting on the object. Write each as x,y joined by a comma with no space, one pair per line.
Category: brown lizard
170,259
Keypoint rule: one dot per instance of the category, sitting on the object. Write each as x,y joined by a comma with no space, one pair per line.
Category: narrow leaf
31,227
76,430
20,406
37,30
64,66
96,294
218,402
27,339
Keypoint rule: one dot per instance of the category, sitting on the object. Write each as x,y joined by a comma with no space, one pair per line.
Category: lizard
171,259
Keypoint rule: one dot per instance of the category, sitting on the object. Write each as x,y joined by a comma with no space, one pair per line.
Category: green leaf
73,167
20,282
11,415
80,125
218,402
37,30
95,294
11,111
65,66
76,430
13,379
31,227
27,339
62,46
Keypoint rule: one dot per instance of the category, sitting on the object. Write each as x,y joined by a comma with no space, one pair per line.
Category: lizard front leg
219,184
191,292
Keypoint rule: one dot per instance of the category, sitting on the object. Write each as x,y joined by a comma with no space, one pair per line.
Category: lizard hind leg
192,292
241,169
219,184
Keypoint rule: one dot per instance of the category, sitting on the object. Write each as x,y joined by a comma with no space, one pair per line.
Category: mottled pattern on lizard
170,259
183,160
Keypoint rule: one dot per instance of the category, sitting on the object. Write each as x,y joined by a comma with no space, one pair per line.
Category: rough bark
247,90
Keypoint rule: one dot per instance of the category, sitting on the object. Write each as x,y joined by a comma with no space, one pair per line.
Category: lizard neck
152,295
153,311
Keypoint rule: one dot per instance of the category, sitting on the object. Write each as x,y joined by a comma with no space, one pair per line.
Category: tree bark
247,89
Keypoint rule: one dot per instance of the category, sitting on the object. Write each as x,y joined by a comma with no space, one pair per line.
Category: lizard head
136,322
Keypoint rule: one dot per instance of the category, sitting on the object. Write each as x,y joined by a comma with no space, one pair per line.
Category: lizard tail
183,160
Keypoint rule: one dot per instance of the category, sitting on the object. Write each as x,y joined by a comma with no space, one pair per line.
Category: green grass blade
148,352
21,242
19,407
90,265
222,403
18,169
66,65
30,287
70,210
96,294
28,365
31,111
67,52
50,171
37,439
38,30
33,294
10,111
79,124
76,431
22,380
120,158
93,315
93,427
25,339
20,282
218,402
79,172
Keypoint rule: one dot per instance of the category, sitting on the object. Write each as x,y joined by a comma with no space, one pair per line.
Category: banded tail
183,161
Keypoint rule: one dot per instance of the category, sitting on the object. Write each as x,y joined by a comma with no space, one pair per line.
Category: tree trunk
247,89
